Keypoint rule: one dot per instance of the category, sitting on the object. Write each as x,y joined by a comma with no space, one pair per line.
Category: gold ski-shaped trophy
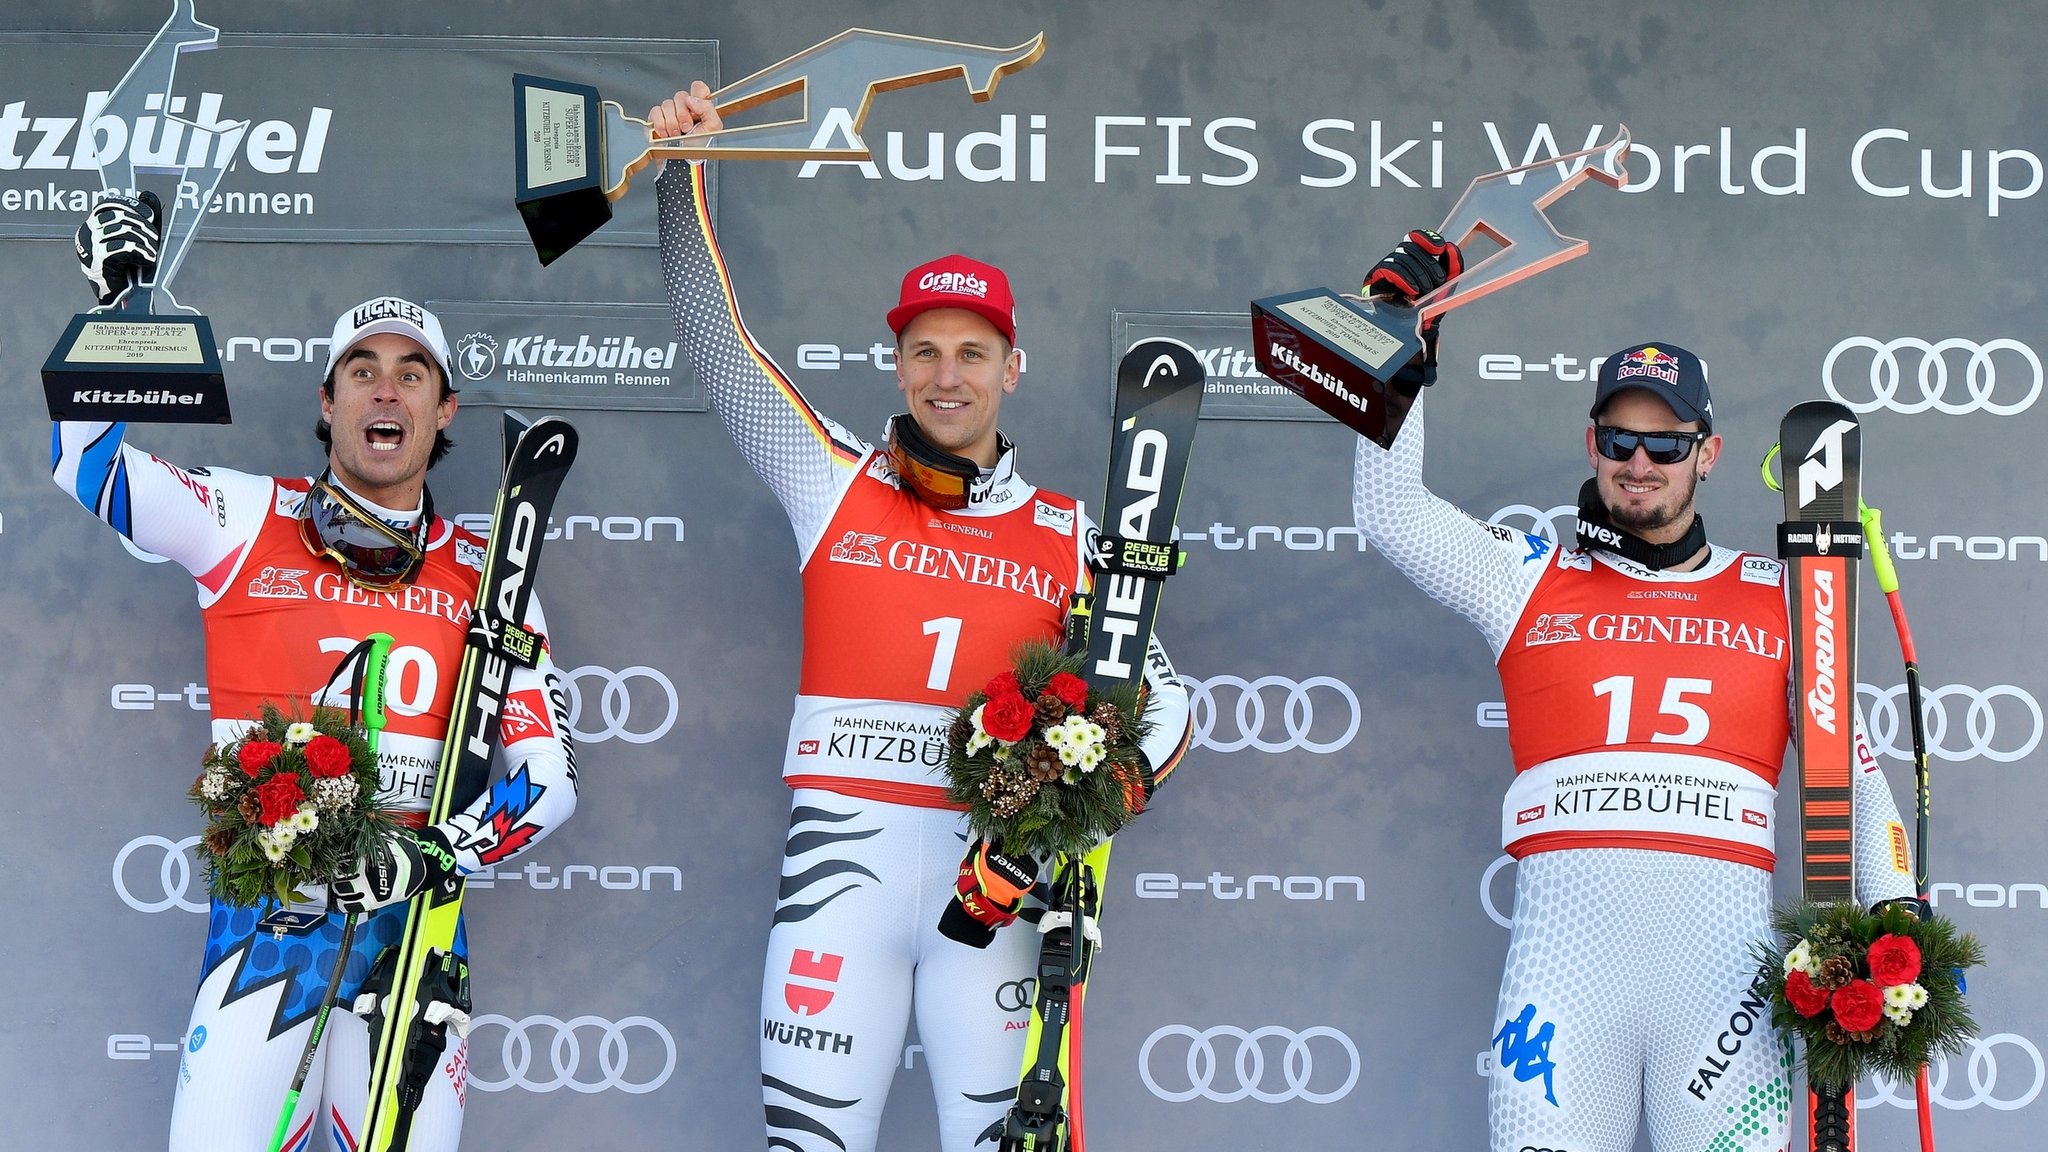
1337,350
147,358
575,152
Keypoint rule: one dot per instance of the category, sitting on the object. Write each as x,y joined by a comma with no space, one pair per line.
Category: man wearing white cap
291,572
924,562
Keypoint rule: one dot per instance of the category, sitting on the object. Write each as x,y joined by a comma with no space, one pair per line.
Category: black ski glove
407,862
1417,266
118,242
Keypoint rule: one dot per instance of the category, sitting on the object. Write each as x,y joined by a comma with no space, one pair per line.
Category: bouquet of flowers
1044,763
291,802
1868,991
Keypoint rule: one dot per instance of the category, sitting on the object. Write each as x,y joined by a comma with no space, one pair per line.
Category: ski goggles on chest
374,554
1620,444
935,476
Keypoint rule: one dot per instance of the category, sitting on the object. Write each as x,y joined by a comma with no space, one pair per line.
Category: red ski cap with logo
956,281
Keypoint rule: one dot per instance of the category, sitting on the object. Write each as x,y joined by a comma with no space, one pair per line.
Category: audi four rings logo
624,1054
1246,1072
1293,701
1982,1069
1542,521
175,871
1015,995
1981,390
616,703
1979,732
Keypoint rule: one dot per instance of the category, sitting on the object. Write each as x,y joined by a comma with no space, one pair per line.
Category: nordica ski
1821,542
426,979
1158,400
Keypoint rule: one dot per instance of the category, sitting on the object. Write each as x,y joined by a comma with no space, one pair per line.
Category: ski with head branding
421,987
1822,544
1158,400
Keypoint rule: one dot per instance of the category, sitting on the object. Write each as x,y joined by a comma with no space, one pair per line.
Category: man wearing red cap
1646,673
291,572
924,562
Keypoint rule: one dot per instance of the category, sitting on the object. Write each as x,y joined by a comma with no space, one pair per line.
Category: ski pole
1888,583
367,699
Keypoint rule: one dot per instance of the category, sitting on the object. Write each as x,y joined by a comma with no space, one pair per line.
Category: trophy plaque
1337,351
575,152
146,358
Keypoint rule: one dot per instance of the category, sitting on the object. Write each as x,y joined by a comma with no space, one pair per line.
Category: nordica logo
958,283
1599,533
107,396
1820,699
1328,383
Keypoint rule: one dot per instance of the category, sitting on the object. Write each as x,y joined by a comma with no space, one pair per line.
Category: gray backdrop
1813,182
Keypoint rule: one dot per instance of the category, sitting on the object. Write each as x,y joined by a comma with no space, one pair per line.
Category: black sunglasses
1662,447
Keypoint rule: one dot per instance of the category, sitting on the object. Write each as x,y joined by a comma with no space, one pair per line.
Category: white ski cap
389,314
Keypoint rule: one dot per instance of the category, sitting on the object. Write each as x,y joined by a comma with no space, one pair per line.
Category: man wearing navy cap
1646,673
924,562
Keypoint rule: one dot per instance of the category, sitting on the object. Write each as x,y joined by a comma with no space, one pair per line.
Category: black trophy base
1337,354
558,154
137,368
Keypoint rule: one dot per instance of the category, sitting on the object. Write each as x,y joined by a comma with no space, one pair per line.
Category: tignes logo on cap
387,308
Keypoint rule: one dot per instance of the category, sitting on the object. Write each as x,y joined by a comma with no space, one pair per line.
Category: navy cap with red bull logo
1669,372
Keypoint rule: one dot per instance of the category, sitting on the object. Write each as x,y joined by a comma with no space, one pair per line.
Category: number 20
1620,692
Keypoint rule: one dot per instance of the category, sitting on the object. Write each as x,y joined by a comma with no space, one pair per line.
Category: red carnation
1894,960
1807,997
1069,689
1858,1005
327,757
1008,717
280,797
1002,684
256,755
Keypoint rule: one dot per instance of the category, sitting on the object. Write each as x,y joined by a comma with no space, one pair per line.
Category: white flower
334,794
1079,742
1910,996
1799,959
299,733
276,842
304,820
216,785
981,739
1899,1015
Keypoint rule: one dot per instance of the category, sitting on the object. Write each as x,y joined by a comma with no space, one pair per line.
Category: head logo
274,583
477,355
858,548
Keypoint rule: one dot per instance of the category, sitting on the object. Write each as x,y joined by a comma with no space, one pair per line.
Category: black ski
1821,542
422,969
1158,401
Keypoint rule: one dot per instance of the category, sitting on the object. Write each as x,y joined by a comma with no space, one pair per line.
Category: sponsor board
607,356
